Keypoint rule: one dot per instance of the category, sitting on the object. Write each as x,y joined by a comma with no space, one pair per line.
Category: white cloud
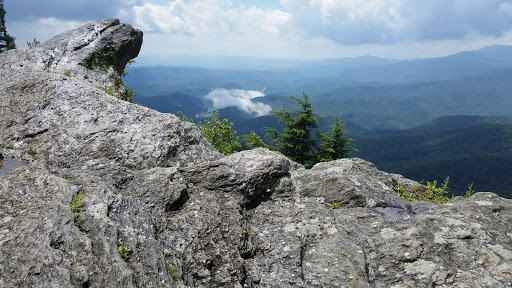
294,29
220,17
355,22
212,27
42,29
222,98
506,8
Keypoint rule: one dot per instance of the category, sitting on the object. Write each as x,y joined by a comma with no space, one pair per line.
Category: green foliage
90,62
333,147
490,172
33,44
111,90
253,140
111,52
429,193
55,243
470,190
68,73
48,64
250,233
220,133
125,252
130,93
77,206
334,205
172,270
296,141
7,42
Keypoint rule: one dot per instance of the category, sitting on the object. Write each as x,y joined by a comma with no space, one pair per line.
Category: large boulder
112,194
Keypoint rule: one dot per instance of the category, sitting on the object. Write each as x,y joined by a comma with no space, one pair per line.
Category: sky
299,29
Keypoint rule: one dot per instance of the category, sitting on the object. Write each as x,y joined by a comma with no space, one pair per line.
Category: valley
424,118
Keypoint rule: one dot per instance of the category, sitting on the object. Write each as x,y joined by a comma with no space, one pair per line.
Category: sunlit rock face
112,194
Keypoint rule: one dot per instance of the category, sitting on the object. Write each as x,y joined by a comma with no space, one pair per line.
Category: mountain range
404,114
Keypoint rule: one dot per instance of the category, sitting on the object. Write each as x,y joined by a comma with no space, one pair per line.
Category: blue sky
305,29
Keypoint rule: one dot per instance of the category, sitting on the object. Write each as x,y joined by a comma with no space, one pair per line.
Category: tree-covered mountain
399,111
468,149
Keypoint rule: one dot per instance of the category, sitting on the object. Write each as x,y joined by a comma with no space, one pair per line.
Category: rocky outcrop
96,52
112,194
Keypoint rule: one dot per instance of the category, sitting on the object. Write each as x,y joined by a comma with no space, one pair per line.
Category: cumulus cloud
285,28
219,17
218,27
222,98
355,22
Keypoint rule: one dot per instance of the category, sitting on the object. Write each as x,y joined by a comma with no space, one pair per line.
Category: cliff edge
111,194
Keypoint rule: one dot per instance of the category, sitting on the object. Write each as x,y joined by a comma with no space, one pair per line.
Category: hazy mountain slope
465,148
172,103
472,83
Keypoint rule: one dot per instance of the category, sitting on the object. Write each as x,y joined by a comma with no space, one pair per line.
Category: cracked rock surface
112,194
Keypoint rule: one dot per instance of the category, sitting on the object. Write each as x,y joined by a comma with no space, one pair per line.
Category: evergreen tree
334,147
6,41
296,141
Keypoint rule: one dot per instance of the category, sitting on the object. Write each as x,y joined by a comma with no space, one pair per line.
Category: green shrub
77,206
429,193
125,252
172,270
220,133
334,205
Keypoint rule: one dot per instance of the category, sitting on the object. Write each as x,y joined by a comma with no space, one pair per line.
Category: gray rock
96,52
350,183
111,194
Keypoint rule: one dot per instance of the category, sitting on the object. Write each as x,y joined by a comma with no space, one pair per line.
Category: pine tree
334,147
6,41
296,141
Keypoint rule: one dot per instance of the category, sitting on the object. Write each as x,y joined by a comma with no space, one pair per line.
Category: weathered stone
96,52
112,194
350,183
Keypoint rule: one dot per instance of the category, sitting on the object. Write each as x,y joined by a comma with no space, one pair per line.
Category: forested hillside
401,112
468,149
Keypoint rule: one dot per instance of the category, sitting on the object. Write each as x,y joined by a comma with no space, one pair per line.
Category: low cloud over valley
243,99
